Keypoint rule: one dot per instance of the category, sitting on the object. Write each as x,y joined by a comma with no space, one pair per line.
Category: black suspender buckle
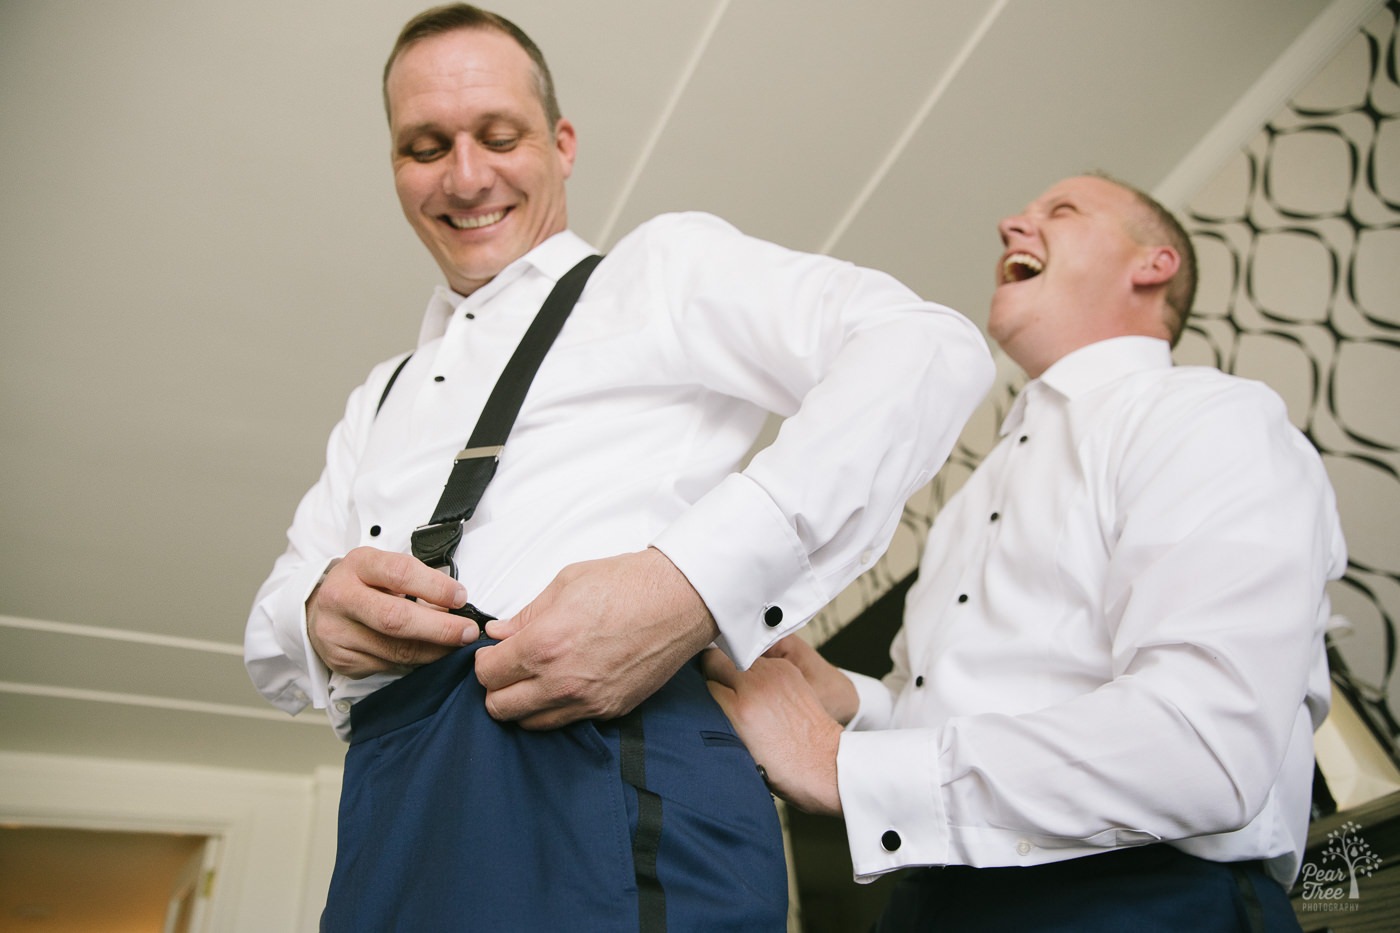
435,544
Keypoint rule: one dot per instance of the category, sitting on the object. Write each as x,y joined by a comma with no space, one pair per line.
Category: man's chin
465,278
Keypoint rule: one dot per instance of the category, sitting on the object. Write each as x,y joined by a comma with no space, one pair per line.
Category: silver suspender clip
477,453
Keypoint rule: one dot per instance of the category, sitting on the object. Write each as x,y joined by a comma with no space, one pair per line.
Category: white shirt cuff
746,562
291,610
890,794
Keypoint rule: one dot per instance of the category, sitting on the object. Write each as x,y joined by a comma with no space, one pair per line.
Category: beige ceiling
202,255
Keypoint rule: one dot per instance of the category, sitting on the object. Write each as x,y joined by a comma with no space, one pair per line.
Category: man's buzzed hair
454,16
1159,226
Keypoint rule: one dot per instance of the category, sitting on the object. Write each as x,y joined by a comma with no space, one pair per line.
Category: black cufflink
772,616
890,840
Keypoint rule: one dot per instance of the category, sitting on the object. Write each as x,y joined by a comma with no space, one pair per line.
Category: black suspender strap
436,542
393,377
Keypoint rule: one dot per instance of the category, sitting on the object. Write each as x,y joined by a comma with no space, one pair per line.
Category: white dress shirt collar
554,257
1090,367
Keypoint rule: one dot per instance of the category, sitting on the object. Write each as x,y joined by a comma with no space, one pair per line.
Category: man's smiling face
479,171
1066,273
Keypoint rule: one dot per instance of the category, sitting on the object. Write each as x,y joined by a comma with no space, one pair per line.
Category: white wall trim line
897,150
150,702
115,634
669,110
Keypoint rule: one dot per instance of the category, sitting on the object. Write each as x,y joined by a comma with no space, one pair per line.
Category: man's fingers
784,727
520,701
396,618
361,659
515,691
499,666
350,662
599,639
360,622
359,651
724,696
781,648
794,649
402,574
550,719
502,629
522,651
368,587
717,667
506,670
408,653
767,680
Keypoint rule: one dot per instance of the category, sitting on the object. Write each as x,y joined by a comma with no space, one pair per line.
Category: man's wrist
698,622
309,606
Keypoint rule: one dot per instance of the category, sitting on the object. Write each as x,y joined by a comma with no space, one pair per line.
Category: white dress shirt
685,337
1116,635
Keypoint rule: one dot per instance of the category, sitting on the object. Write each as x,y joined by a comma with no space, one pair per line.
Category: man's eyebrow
494,117
417,129
481,121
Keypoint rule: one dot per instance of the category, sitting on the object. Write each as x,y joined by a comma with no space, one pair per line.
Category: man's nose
1013,225
469,172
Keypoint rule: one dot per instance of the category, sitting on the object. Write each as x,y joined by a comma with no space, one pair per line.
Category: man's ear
565,145
1156,267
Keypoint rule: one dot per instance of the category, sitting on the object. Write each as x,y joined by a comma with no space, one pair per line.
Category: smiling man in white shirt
1101,709
617,539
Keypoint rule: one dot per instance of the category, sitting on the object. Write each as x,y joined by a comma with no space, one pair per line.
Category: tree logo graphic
1333,885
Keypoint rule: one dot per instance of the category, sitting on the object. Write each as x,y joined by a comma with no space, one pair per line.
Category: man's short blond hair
1157,226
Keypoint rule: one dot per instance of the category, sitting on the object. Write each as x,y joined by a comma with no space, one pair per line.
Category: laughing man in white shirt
1101,709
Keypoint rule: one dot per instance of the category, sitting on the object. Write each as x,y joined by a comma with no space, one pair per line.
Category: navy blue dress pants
1151,889
451,821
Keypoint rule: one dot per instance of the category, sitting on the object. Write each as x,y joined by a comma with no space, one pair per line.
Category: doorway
63,880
